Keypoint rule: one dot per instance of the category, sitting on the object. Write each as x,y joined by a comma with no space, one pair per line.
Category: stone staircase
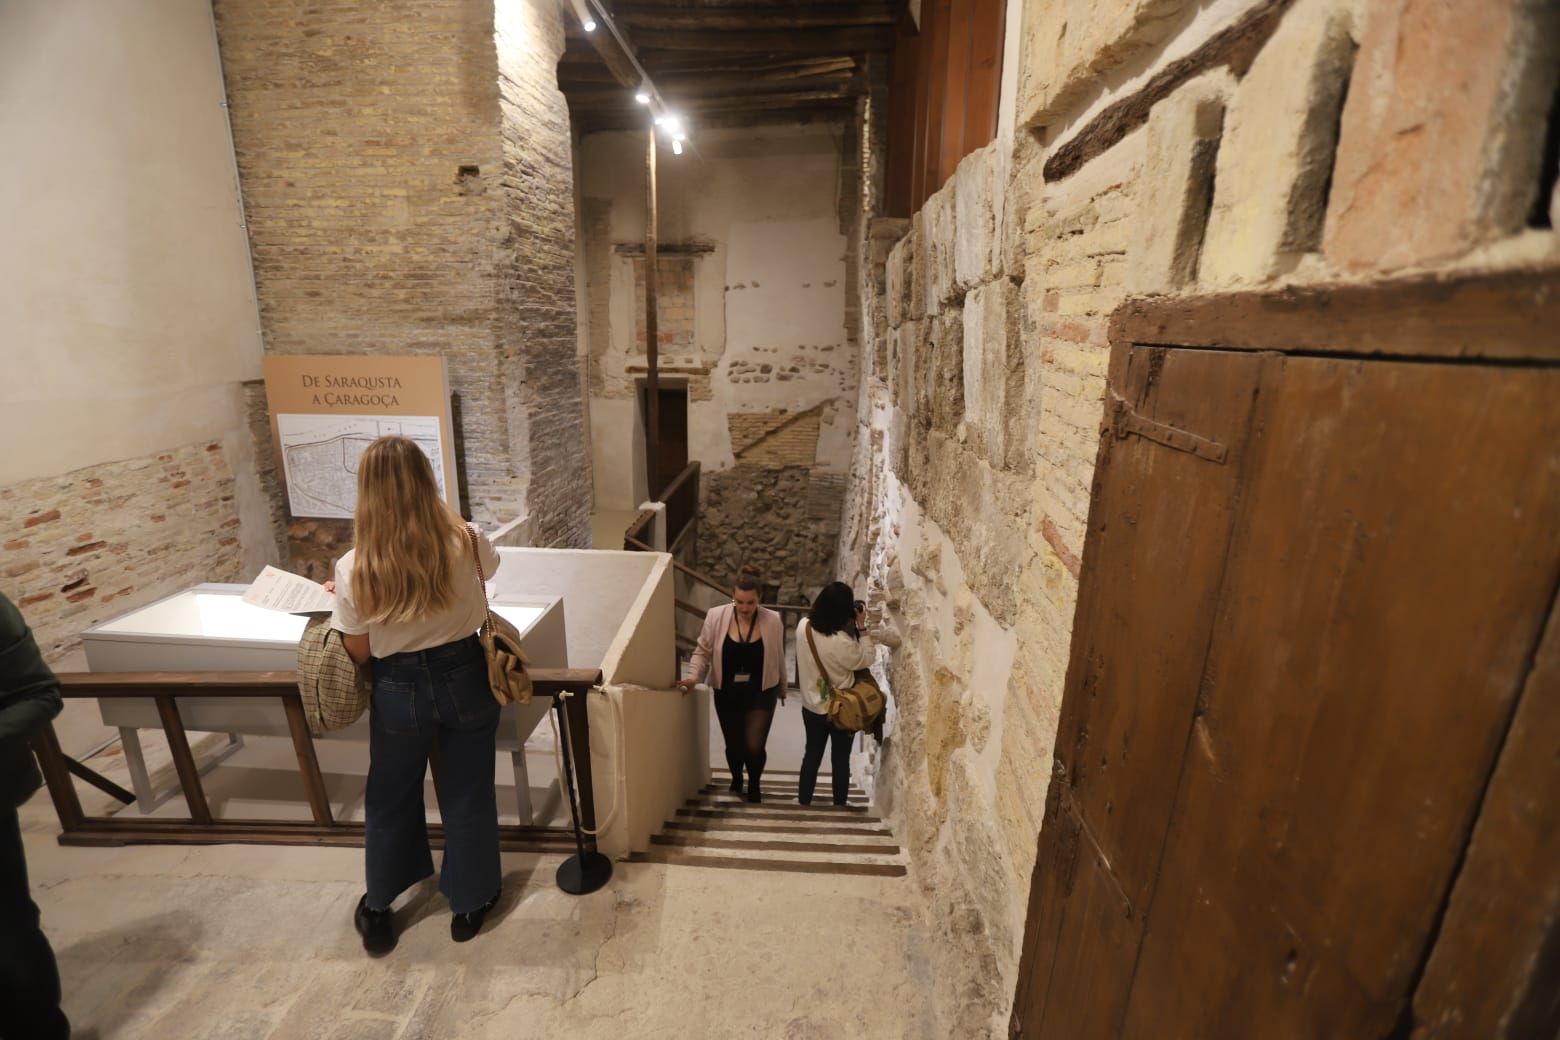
720,829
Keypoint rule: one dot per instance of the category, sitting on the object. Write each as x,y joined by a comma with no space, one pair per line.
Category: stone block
943,392
937,240
915,269
1443,132
901,261
1269,193
993,367
976,251
1068,46
1176,185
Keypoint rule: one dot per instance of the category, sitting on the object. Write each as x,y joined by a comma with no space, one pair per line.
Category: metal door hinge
1125,422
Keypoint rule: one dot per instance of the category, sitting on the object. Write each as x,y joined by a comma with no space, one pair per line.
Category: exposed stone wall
407,177
783,520
1163,147
86,546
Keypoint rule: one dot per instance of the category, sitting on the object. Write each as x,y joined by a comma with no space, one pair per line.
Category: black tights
744,722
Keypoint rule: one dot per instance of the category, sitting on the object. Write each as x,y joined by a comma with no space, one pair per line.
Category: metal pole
586,870
652,331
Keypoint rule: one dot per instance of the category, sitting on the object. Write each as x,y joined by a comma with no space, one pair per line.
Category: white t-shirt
461,618
841,656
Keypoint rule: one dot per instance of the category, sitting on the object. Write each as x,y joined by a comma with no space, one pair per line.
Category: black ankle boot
736,782
464,927
753,793
377,927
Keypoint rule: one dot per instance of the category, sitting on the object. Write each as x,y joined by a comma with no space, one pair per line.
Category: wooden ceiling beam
586,77
578,46
799,41
603,122
781,18
616,101
726,85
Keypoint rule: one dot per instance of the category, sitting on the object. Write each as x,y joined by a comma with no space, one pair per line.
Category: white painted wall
127,306
772,291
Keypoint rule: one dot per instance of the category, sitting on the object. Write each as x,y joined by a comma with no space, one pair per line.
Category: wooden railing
681,497
682,506
167,689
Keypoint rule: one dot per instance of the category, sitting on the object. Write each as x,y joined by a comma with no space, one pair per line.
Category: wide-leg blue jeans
422,698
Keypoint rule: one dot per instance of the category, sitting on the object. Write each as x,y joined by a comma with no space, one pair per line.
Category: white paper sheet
276,589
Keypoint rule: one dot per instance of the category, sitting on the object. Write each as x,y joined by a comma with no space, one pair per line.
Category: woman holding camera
836,627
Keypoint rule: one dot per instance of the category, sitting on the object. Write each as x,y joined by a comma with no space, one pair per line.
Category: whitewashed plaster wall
127,307
769,292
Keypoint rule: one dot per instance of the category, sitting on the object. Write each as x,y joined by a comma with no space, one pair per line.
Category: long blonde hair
408,540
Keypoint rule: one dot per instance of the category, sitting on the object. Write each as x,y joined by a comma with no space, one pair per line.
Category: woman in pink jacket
742,650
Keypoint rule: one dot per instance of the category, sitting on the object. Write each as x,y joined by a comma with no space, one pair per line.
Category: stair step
761,845
781,791
679,858
772,816
773,803
827,808
775,828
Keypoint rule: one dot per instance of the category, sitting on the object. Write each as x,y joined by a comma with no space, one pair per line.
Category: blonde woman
408,604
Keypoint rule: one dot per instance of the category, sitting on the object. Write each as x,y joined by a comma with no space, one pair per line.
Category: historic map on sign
321,452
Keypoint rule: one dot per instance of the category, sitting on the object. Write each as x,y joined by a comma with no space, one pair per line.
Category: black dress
742,674
745,709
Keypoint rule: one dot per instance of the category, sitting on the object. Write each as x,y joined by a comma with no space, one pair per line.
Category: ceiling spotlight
677,145
583,12
672,123
642,95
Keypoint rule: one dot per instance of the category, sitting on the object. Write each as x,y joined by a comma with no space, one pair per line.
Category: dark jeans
821,732
421,698
29,979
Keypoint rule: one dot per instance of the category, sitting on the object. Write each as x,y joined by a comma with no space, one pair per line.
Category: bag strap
822,671
476,554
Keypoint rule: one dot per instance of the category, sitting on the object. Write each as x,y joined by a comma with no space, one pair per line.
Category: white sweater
841,656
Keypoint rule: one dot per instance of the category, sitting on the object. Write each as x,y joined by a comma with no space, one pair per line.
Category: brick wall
538,345
85,546
673,305
384,153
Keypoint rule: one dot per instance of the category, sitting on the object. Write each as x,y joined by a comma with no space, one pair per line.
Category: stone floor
252,941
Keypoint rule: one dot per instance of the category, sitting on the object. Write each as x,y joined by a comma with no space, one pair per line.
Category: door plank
1139,639
1392,567
1495,969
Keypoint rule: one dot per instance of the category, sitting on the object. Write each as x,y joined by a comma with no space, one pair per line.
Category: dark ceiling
725,63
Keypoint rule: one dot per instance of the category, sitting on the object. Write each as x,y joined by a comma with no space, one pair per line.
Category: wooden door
674,432
1314,588
672,413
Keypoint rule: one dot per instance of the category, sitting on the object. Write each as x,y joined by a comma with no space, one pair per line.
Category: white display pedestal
208,628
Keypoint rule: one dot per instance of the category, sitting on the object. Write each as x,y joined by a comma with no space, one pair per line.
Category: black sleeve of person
29,692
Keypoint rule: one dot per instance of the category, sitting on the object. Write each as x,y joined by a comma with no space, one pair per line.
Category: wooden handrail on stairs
166,689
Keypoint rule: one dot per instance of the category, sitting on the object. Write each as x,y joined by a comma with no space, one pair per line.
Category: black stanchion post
586,870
